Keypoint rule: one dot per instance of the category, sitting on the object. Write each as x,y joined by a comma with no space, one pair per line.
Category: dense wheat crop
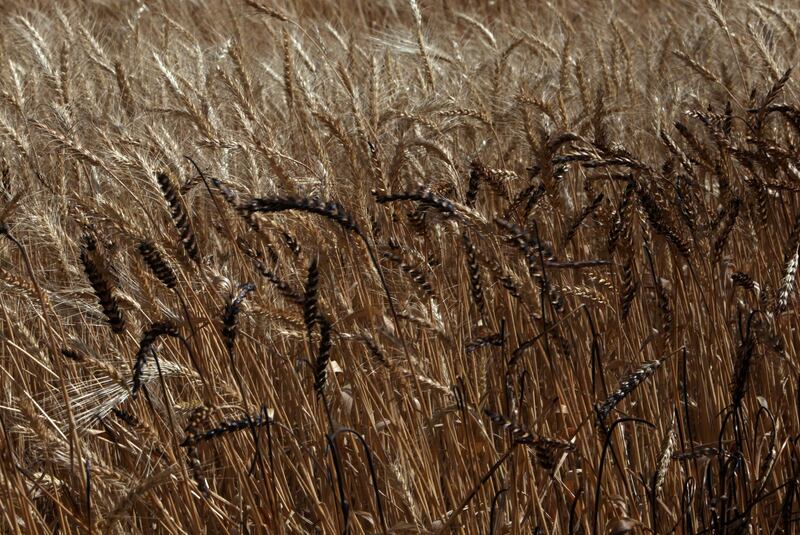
399,267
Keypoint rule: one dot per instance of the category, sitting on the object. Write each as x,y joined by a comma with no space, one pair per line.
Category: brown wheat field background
399,266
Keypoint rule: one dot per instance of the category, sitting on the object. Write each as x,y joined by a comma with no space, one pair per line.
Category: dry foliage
399,267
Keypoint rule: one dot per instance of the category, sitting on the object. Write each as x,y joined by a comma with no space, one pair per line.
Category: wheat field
399,266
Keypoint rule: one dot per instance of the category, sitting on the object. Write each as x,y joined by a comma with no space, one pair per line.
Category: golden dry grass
399,267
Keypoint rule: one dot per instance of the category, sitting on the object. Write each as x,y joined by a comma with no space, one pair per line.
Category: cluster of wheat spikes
399,267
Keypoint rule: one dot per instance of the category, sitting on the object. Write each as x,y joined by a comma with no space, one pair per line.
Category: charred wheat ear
477,174
546,450
151,335
129,418
626,385
535,252
518,433
331,209
198,416
179,215
621,222
155,261
335,212
422,195
102,283
281,285
225,427
581,217
744,280
415,273
661,223
495,339
323,356
310,311
475,283
231,313
727,226
742,363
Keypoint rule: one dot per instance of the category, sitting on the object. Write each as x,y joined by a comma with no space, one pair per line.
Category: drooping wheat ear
534,251
518,433
761,197
179,216
744,280
331,210
581,217
197,418
505,278
226,427
727,226
335,212
105,368
790,263
549,452
267,10
662,224
422,195
696,67
146,435
475,282
323,356
375,350
526,243
741,367
281,285
231,313
154,259
703,157
626,385
494,339
477,173
677,152
310,295
531,196
416,274
102,283
156,330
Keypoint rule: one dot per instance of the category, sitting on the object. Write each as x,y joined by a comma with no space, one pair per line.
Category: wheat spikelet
155,331
415,273
664,457
476,285
179,216
102,283
323,356
790,267
626,385
154,259
231,313
310,295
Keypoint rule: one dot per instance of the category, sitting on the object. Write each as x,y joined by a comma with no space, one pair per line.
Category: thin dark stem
463,505
606,445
